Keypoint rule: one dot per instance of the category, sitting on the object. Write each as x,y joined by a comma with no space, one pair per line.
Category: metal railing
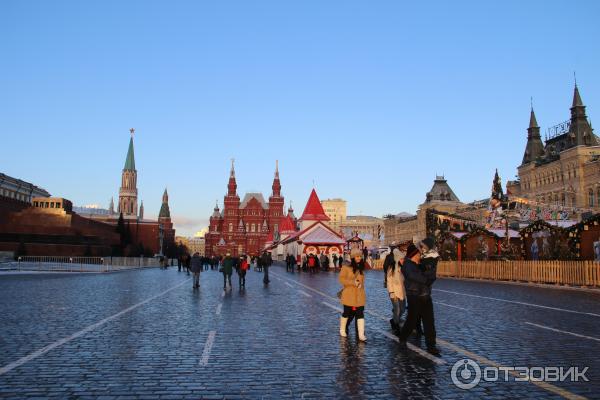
80,264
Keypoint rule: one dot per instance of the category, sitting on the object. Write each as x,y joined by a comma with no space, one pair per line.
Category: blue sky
368,99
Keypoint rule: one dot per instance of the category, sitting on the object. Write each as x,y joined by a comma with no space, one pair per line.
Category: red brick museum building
243,227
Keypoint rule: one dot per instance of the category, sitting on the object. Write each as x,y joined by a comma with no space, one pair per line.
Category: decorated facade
563,170
245,226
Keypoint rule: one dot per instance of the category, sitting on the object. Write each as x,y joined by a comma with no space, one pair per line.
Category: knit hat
428,242
411,251
356,253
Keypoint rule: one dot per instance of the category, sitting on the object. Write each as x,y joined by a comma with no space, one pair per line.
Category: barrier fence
576,273
81,264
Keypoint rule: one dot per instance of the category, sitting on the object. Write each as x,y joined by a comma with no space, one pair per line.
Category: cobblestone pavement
147,334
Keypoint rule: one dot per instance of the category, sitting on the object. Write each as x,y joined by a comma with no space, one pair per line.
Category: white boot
343,322
361,329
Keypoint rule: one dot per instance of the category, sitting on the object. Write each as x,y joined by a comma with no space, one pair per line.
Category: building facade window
591,198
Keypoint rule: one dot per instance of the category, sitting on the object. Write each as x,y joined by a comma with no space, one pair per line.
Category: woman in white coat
395,287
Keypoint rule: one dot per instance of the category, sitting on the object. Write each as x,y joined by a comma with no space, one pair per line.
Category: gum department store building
564,171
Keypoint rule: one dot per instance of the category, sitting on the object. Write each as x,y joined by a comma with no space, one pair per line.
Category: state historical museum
244,227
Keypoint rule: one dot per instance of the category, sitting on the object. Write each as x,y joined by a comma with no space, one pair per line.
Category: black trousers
351,313
419,307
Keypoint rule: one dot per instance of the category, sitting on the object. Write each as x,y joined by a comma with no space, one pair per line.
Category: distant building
565,170
402,228
194,244
197,244
244,227
370,229
335,209
153,236
49,227
399,228
16,189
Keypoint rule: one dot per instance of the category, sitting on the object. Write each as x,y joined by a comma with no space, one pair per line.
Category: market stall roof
502,233
317,233
458,235
287,225
355,239
314,210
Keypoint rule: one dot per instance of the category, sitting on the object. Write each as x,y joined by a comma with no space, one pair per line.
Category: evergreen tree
497,192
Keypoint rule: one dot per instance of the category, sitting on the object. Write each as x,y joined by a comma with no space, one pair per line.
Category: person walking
324,261
196,267
266,262
395,287
187,263
419,277
227,269
353,296
243,268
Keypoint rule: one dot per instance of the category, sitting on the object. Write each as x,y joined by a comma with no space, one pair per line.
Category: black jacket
418,280
196,264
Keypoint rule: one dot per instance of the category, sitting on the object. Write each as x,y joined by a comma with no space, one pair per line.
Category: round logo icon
466,374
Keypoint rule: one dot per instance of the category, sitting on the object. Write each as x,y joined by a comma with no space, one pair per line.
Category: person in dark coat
227,269
418,279
196,267
187,263
266,262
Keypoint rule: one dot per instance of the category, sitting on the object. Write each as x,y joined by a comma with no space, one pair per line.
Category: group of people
226,266
409,276
313,263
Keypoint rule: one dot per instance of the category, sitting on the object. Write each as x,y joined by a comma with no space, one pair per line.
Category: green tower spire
130,160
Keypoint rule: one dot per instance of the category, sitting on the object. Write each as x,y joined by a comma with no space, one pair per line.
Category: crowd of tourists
408,277
226,265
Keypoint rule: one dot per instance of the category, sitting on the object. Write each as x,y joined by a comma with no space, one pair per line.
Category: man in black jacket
266,262
418,282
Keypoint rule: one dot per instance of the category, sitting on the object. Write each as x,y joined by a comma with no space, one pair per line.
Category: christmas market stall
585,238
316,239
448,245
508,249
478,244
544,241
